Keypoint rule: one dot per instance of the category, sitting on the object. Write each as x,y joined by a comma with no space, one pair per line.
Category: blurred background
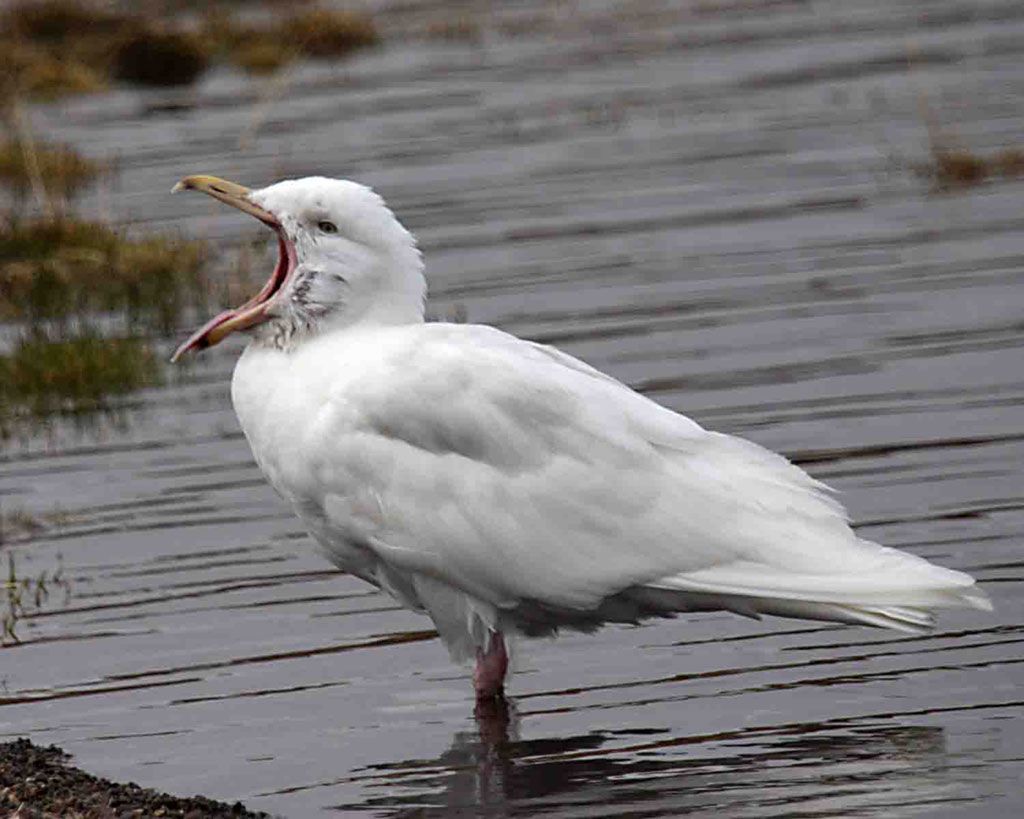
798,221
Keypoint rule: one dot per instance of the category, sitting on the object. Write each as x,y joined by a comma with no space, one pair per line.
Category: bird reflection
491,772
488,754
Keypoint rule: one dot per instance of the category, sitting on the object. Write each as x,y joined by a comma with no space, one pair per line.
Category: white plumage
503,486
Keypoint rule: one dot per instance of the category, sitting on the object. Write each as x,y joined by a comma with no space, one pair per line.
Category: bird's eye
327,227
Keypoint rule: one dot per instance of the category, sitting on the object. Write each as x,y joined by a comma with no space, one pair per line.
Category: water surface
716,204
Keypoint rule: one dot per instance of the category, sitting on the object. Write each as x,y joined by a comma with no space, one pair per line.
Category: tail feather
898,618
902,597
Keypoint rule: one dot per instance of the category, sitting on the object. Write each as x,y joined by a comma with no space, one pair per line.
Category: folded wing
525,480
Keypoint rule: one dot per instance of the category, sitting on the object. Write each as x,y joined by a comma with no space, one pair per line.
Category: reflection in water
810,769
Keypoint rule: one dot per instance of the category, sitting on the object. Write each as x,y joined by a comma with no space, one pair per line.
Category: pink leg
491,667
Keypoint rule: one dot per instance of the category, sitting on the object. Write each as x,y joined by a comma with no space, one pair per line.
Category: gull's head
343,259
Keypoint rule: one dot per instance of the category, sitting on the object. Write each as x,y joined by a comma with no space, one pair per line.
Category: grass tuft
957,169
62,171
43,375
262,55
62,22
23,595
60,279
53,47
39,74
65,268
327,33
267,47
56,47
1010,162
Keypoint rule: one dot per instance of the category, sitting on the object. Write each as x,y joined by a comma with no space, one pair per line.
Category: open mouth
255,310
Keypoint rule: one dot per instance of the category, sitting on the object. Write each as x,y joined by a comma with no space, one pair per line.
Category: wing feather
515,472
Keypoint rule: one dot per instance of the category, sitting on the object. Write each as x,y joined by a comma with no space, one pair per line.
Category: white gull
504,487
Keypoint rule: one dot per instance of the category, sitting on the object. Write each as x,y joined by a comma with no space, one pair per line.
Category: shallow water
716,204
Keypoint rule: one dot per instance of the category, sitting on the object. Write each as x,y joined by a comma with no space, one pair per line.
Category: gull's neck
401,295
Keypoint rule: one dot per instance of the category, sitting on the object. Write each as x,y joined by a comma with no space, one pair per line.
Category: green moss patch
43,376
60,280
63,269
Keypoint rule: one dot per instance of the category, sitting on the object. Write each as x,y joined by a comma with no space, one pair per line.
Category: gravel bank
38,783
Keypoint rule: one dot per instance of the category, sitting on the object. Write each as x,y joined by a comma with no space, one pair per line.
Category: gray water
714,202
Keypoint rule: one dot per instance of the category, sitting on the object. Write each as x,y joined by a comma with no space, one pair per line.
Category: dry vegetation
24,595
57,47
79,299
58,169
83,303
65,269
38,73
61,280
267,46
952,166
72,378
80,303
953,169
20,595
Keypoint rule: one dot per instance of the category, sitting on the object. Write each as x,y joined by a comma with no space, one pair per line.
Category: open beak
254,311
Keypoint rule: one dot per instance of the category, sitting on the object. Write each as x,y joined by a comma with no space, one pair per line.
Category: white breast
273,411
293,409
